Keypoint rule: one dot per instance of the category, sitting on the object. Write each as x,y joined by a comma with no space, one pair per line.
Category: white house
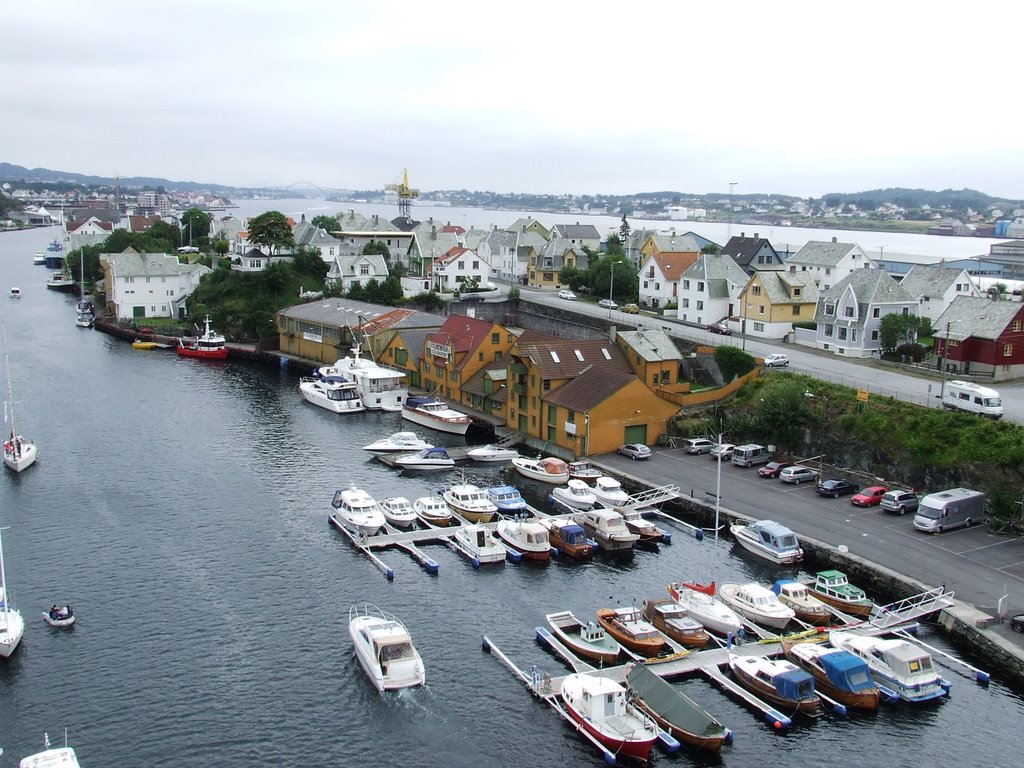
709,290
458,266
829,262
935,288
578,235
849,314
659,277
141,285
352,269
308,236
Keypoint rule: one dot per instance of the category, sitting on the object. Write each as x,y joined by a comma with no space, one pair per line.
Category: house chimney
834,239
375,218
743,235
433,232
755,235
611,333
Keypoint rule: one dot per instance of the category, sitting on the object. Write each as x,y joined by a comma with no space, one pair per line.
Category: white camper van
974,398
938,512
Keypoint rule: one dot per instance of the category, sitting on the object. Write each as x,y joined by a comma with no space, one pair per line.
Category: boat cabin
593,633
794,684
846,671
836,584
792,590
774,536
572,535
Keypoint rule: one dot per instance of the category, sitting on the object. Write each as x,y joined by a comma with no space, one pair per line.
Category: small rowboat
588,641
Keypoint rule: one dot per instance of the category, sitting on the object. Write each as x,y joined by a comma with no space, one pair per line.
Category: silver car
697,445
797,474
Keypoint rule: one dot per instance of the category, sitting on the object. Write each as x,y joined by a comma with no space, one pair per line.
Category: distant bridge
309,186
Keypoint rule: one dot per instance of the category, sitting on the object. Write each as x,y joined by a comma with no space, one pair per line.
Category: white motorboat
398,511
357,511
39,259
641,526
582,469
601,707
334,393
896,665
575,494
757,603
15,293
380,387
432,458
470,502
526,536
506,498
61,281
432,511
435,414
19,452
384,648
703,606
60,616
12,625
609,492
769,541
607,528
492,453
398,442
51,757
477,542
806,606
549,470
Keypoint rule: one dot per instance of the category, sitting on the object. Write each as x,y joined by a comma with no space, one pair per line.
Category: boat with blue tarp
838,673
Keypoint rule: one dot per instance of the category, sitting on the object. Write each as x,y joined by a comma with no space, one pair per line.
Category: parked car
777,360
797,474
836,488
635,451
631,309
471,297
607,304
772,468
697,445
563,294
869,497
721,328
722,451
900,502
1017,622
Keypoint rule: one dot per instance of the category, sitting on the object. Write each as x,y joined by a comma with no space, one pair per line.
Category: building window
686,285
664,377
686,303
480,356
401,355
700,305
439,371
798,292
453,376
552,433
495,338
700,287
1007,350
796,310
876,312
842,334
758,327
645,285
874,335
547,385
657,286
756,290
828,331
848,311
954,343
830,309
497,355
364,269
654,379
1016,326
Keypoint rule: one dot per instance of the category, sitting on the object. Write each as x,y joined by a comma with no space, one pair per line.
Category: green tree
625,281
897,328
195,228
326,223
221,246
577,279
308,262
613,246
272,231
733,362
710,248
624,230
782,414
162,238
377,246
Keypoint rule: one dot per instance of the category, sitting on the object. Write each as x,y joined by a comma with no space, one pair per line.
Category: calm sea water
181,507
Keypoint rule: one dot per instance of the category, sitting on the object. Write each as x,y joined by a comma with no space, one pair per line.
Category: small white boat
398,511
384,648
582,469
435,414
896,665
641,526
550,470
478,543
14,293
601,707
575,494
507,498
398,442
51,757
432,511
491,453
357,511
769,541
60,616
470,502
757,603
12,625
85,320
607,528
706,608
432,458
333,393
806,606
39,258
19,452
609,492
527,536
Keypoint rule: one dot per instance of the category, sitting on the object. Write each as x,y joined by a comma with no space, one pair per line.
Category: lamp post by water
732,188
611,284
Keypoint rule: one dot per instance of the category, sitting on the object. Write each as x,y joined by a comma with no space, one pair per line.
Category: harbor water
181,507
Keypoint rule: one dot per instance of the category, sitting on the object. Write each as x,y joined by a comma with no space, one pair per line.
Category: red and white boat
209,346
601,707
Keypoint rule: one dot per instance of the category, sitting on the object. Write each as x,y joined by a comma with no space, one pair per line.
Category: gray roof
131,263
341,312
976,316
306,234
653,345
429,242
555,250
819,253
347,263
870,287
717,271
674,243
520,224
778,287
577,231
931,281
414,338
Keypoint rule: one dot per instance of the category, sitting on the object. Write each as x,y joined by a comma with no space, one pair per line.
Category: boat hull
867,700
860,610
639,749
811,707
771,556
646,647
567,629
353,405
340,521
426,420
20,461
203,354
409,672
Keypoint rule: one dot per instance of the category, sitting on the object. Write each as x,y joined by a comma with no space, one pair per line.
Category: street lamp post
732,188
611,284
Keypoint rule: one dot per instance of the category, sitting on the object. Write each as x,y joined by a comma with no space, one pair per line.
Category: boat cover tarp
846,671
573,534
780,583
795,684
672,705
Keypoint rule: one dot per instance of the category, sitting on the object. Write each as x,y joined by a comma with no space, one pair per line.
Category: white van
957,507
974,398
750,454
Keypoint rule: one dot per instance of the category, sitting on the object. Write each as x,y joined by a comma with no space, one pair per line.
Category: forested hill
956,199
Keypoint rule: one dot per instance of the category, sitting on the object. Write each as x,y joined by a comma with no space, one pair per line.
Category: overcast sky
799,98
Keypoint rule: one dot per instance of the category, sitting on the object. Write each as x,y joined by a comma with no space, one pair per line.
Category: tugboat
209,346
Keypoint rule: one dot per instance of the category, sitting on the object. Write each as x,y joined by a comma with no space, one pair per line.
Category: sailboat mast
9,404
3,577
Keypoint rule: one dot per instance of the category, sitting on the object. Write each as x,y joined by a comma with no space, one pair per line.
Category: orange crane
405,193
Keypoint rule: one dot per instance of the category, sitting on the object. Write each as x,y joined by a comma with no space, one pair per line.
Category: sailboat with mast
12,625
19,453
86,314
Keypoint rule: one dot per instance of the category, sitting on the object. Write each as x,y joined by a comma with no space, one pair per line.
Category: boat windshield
395,651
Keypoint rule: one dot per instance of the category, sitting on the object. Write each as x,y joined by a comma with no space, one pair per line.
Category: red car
772,468
869,497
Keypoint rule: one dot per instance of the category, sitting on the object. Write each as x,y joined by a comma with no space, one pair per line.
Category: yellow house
652,355
454,353
773,300
545,264
667,242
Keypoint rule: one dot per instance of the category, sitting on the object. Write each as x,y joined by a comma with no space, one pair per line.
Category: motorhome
973,398
749,455
955,508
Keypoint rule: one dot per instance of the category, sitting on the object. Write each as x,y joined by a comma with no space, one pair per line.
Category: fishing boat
568,537
59,616
51,757
704,607
12,625
428,459
357,511
384,648
492,453
575,494
506,498
526,536
435,414
756,603
432,511
582,469
333,393
19,452
381,388
60,280
588,641
832,587
398,511
897,665
477,542
470,502
607,528
769,541
397,442
638,524
778,681
673,620
209,345
837,673
548,470
632,630
806,606
674,711
609,492
601,707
